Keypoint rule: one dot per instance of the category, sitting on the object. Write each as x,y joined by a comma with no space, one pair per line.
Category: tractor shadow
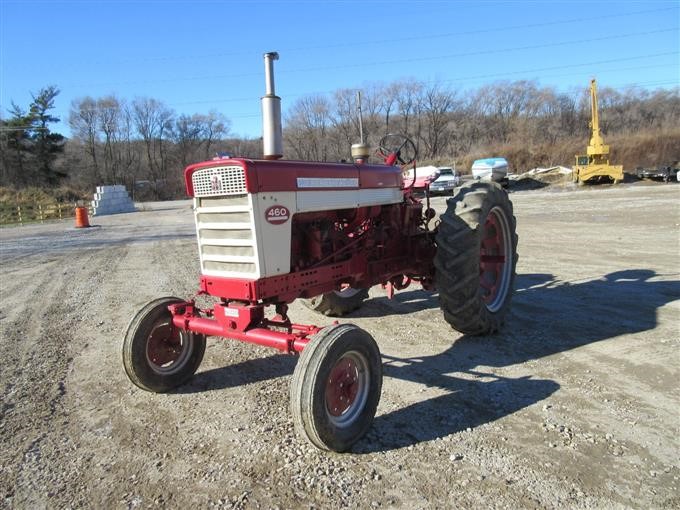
548,317
247,372
403,302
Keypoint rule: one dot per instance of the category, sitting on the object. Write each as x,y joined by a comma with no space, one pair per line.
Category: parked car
424,175
490,169
662,173
448,179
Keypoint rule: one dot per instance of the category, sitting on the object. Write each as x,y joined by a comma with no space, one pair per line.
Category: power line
398,61
464,78
553,68
645,84
486,31
302,94
485,52
498,75
364,43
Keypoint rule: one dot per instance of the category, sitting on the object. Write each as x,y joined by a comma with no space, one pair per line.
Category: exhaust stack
272,137
360,151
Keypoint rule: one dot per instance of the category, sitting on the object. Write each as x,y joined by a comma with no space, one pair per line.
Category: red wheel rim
495,259
166,348
346,389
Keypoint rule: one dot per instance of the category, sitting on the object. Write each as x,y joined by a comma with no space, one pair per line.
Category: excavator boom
595,123
594,165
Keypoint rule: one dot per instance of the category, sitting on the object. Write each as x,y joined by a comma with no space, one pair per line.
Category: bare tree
308,122
344,117
84,126
152,119
108,113
187,134
408,94
437,105
215,127
128,155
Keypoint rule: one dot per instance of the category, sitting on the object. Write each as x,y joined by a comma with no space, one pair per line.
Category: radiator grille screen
219,181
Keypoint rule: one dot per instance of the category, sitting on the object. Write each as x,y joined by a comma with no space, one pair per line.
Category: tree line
145,144
142,141
450,125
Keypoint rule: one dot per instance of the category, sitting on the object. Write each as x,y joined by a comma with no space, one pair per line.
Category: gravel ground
575,404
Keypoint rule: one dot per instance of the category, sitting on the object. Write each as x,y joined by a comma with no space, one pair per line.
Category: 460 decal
277,214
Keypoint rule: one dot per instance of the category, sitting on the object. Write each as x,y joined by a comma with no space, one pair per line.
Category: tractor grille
226,240
219,181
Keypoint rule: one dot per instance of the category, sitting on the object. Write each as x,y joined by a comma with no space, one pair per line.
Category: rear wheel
158,356
476,258
336,387
338,302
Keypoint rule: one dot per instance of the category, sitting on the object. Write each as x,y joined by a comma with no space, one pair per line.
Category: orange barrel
81,217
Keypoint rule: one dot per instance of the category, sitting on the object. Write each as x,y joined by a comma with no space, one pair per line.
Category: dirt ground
575,404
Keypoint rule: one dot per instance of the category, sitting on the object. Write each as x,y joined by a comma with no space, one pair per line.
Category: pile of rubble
541,177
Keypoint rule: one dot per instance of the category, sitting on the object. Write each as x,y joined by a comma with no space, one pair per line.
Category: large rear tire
476,258
157,356
336,387
338,302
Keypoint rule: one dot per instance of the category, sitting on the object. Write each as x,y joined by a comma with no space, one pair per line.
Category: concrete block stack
112,200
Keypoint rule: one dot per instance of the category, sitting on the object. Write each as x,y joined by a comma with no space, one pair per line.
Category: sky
197,56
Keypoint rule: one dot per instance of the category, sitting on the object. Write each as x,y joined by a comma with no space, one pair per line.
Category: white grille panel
226,241
219,181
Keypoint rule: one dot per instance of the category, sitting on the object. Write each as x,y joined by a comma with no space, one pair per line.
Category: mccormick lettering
277,214
324,182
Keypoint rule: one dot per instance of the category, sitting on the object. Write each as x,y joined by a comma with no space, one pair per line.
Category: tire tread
457,259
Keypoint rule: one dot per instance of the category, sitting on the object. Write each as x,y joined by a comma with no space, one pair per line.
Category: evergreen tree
46,146
28,148
15,145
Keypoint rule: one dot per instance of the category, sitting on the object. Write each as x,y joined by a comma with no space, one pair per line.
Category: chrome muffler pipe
272,135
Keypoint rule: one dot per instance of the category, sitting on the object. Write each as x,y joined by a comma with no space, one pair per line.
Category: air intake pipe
272,137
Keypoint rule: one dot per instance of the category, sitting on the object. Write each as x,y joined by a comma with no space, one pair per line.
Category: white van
490,169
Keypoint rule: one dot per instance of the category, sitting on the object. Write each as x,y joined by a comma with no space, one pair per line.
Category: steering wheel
400,147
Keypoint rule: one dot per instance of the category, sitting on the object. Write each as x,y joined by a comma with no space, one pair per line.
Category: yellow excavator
594,165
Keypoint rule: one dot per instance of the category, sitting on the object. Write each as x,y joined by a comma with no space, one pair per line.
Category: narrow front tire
336,387
158,356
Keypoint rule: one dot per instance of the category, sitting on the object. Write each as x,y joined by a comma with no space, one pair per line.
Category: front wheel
476,258
158,356
336,387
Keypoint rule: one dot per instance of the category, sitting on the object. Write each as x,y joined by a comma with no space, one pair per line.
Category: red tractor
272,231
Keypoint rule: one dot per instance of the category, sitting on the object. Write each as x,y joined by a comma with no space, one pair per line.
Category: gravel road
575,404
